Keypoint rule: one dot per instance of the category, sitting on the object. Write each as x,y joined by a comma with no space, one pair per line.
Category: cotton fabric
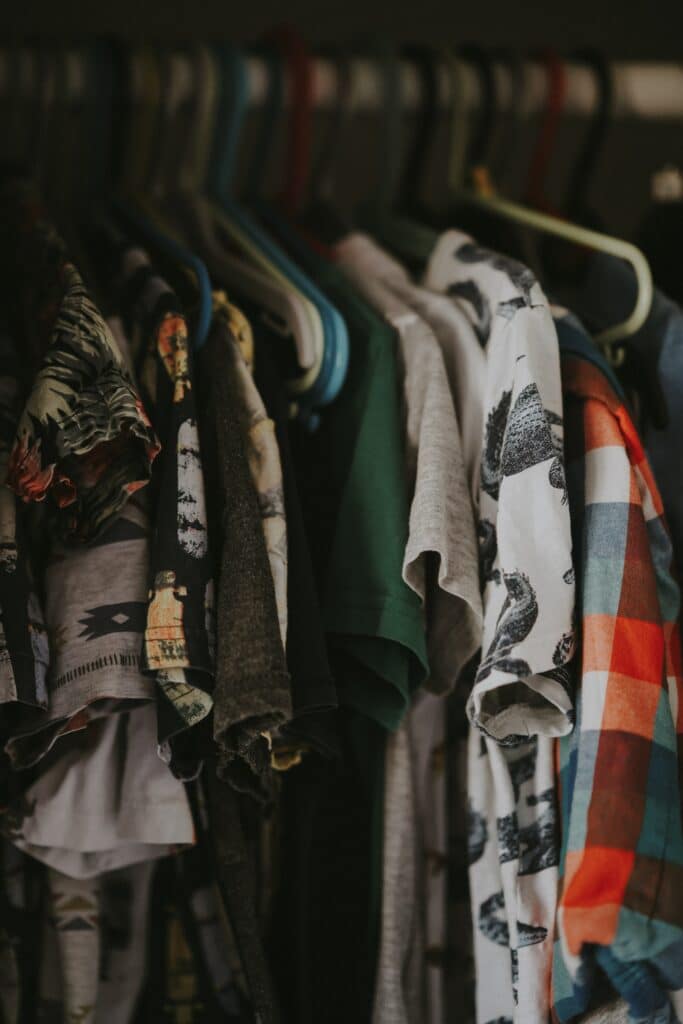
521,694
440,564
622,851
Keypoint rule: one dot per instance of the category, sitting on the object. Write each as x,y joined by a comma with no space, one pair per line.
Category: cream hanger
590,239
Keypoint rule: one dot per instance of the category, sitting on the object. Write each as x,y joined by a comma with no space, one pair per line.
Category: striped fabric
621,897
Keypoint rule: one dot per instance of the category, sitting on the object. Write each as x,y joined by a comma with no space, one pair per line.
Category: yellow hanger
589,239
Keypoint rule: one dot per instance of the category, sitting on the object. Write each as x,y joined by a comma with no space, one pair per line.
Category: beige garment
441,565
107,802
263,454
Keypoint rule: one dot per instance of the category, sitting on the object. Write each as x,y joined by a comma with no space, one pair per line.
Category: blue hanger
131,210
333,373
233,107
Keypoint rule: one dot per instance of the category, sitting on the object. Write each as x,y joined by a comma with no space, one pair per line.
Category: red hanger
556,73
299,68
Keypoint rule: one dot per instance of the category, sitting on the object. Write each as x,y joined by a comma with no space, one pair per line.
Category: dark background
624,29
630,30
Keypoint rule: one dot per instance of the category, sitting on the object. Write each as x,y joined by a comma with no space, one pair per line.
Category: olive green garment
352,476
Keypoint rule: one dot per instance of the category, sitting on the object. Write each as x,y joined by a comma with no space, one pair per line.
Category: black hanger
577,202
416,164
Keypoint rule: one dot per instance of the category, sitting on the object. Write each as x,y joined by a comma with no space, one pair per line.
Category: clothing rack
644,90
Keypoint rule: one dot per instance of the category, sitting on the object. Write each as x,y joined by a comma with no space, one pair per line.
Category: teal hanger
332,371
290,47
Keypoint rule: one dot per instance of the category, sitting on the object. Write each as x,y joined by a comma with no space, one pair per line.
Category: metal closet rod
641,89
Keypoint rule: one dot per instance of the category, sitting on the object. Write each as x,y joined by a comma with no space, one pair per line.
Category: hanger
551,225
323,217
140,217
505,141
289,47
479,152
323,175
243,231
197,216
576,201
399,233
459,126
556,91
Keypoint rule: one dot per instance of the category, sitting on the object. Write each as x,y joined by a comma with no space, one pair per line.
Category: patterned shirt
621,902
521,695
83,441
179,636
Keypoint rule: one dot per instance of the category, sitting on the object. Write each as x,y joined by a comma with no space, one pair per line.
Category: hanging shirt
621,903
95,639
440,564
263,456
521,694
179,631
314,693
351,477
607,296
252,693
83,442
106,802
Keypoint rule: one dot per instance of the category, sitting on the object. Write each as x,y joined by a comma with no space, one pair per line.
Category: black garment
252,693
179,639
235,875
313,690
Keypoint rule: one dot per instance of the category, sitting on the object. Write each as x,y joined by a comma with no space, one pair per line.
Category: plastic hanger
459,126
504,147
479,151
197,216
292,50
551,225
323,217
546,141
576,201
137,214
237,224
398,233
416,164
243,230
325,169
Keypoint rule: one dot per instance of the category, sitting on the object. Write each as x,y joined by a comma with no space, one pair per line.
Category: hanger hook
298,64
556,79
416,165
594,142
326,166
478,152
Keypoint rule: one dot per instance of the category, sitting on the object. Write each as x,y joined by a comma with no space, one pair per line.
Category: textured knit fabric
521,695
83,442
621,902
179,632
252,694
263,456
